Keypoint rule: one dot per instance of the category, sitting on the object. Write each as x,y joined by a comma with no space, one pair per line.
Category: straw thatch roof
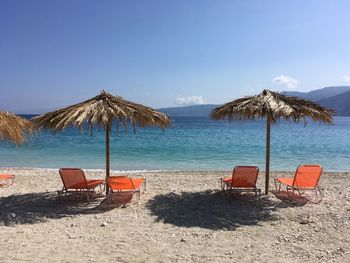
100,111
274,104
13,128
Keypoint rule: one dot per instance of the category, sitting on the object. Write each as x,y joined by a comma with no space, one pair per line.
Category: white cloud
289,82
346,78
190,100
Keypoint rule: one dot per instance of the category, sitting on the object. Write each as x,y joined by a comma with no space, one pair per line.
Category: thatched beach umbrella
13,127
273,106
100,112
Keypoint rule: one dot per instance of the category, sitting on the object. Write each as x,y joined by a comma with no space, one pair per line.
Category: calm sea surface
193,144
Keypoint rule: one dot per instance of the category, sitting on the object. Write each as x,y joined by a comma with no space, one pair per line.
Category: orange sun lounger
306,178
243,179
7,178
74,181
122,184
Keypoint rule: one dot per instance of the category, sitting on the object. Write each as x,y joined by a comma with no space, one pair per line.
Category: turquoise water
193,144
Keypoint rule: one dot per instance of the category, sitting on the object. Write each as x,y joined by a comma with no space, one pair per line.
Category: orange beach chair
306,178
243,180
74,181
7,178
125,184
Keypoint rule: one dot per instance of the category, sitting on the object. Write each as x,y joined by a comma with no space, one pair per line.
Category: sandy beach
182,217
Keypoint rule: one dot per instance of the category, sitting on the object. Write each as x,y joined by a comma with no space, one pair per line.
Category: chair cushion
117,183
287,181
138,182
90,184
6,176
228,182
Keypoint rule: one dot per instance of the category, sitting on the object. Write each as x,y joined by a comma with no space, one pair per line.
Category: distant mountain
340,103
318,94
336,98
202,110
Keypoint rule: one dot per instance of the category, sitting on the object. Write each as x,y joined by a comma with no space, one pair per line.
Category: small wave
92,170
129,171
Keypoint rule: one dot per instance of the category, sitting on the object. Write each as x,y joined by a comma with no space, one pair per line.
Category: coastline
3,169
181,217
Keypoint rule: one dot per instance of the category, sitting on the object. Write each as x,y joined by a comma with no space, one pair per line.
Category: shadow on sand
38,207
293,199
213,209
207,209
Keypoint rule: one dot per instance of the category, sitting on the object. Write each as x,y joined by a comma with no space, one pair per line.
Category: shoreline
156,170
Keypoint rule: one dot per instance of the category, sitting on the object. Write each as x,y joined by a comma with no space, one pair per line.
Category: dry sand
182,217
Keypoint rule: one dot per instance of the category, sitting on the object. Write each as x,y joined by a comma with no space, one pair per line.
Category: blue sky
165,53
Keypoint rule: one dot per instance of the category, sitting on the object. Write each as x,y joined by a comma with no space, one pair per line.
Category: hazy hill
318,94
340,103
201,110
337,98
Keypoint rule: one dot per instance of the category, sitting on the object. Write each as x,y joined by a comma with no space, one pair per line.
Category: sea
193,143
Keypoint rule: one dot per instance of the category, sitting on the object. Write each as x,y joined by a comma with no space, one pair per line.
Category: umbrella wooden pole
267,170
107,156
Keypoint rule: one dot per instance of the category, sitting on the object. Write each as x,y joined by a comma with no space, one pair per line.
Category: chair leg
277,185
59,193
101,190
319,190
275,181
223,185
257,193
299,193
110,198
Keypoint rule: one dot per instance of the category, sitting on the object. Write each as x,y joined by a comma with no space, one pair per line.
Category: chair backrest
72,177
307,175
118,183
245,176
